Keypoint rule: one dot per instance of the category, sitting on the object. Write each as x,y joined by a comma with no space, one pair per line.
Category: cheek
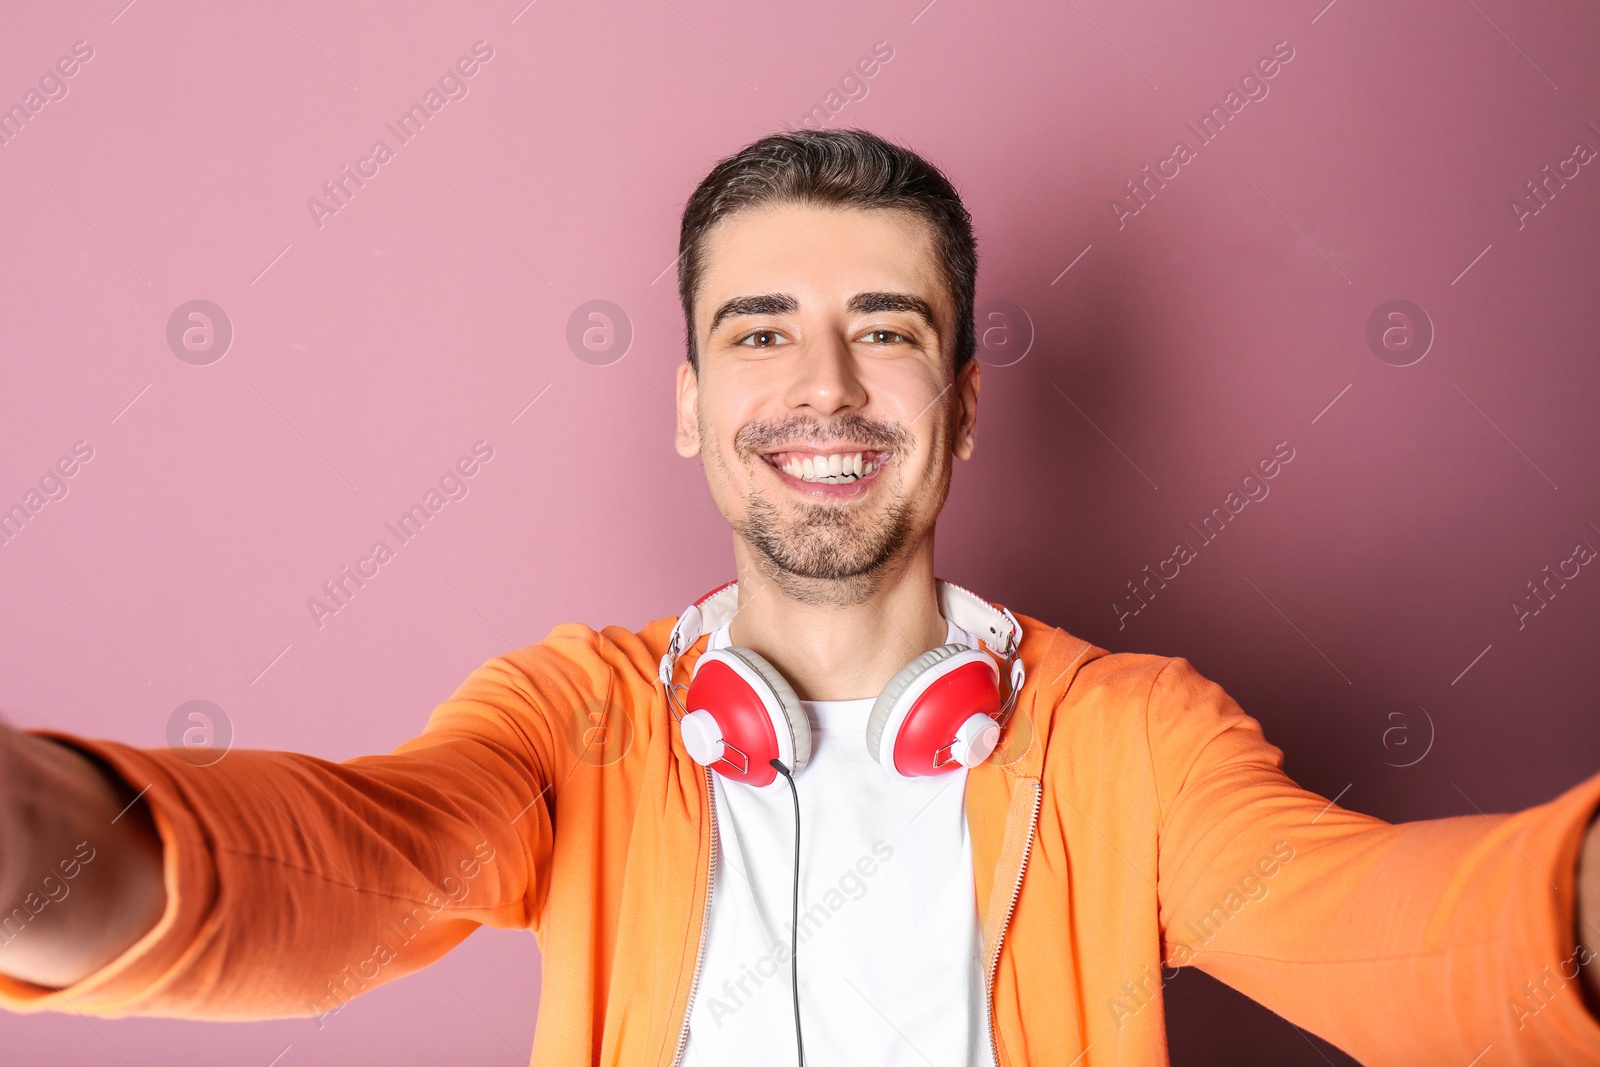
906,387
725,469
912,401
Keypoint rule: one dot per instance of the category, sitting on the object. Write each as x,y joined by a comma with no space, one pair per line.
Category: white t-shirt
890,970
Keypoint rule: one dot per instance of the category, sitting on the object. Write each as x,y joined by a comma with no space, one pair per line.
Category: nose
826,378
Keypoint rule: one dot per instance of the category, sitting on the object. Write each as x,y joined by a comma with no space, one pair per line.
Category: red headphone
941,711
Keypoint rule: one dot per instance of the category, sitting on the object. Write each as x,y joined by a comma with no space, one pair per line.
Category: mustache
765,435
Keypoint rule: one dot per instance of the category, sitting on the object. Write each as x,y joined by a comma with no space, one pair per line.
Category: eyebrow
860,303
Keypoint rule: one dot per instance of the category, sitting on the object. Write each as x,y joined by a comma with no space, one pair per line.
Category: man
1017,910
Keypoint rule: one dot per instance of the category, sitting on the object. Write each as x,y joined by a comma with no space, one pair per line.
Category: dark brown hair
848,168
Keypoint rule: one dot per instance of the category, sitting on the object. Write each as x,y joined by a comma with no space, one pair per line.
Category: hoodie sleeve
295,883
1438,941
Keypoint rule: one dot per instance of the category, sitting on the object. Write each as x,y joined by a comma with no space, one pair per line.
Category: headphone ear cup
793,715
891,712
885,704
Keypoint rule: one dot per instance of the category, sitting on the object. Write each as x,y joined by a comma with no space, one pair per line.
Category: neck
831,651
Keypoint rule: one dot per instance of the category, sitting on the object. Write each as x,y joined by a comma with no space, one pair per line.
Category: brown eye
759,333
891,333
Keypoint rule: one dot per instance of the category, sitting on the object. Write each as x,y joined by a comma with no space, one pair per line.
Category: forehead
821,255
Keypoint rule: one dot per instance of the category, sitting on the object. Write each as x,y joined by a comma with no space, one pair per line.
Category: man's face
824,407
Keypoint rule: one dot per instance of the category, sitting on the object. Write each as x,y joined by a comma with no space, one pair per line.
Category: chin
825,543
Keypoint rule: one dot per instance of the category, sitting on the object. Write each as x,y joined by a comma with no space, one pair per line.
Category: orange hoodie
1132,818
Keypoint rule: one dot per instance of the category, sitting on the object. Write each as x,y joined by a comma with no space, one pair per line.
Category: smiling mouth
828,468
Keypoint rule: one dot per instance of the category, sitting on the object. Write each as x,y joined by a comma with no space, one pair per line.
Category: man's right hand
80,863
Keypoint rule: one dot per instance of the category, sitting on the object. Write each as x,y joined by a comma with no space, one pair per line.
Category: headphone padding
794,716
881,709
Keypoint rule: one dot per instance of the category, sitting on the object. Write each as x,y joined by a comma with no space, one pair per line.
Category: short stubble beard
834,555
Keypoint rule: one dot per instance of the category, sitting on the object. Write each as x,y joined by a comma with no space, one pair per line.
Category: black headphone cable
794,928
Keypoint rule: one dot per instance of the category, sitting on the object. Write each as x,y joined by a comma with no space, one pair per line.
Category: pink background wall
1363,609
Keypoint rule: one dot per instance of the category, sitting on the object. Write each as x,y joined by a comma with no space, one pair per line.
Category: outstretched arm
273,884
1434,941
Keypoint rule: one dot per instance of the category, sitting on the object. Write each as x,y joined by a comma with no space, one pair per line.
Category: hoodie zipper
999,938
705,923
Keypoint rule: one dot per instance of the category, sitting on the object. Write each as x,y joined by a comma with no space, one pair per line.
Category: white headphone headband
995,627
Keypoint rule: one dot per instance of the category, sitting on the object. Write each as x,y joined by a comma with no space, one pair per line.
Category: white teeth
840,468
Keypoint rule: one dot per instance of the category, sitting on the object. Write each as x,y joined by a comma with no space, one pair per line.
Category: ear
968,384
688,438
